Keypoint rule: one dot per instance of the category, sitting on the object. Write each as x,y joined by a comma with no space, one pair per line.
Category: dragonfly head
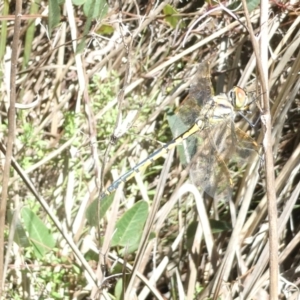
239,99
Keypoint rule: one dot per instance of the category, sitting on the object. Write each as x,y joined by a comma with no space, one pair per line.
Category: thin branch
261,55
11,136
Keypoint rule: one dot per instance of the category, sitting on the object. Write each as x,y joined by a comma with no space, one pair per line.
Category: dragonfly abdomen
150,159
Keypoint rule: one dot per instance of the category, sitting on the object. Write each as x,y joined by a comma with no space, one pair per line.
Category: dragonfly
208,134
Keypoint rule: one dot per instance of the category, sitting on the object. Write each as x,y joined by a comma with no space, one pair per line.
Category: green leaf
187,149
34,8
91,212
95,9
119,289
78,2
130,227
190,234
39,235
54,15
92,9
252,4
169,11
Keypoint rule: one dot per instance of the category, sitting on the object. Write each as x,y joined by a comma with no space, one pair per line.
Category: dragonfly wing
212,177
200,93
218,146
201,88
208,169
245,146
188,148
233,145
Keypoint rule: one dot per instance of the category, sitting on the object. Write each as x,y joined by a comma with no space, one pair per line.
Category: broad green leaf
130,227
119,289
252,4
78,2
187,149
93,9
169,11
91,212
39,235
54,15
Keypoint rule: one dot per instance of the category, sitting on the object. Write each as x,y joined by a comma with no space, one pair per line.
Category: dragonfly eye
238,98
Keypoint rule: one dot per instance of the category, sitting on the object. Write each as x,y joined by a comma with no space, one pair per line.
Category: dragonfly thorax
217,109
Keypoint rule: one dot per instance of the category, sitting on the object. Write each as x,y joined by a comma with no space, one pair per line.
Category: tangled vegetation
93,89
